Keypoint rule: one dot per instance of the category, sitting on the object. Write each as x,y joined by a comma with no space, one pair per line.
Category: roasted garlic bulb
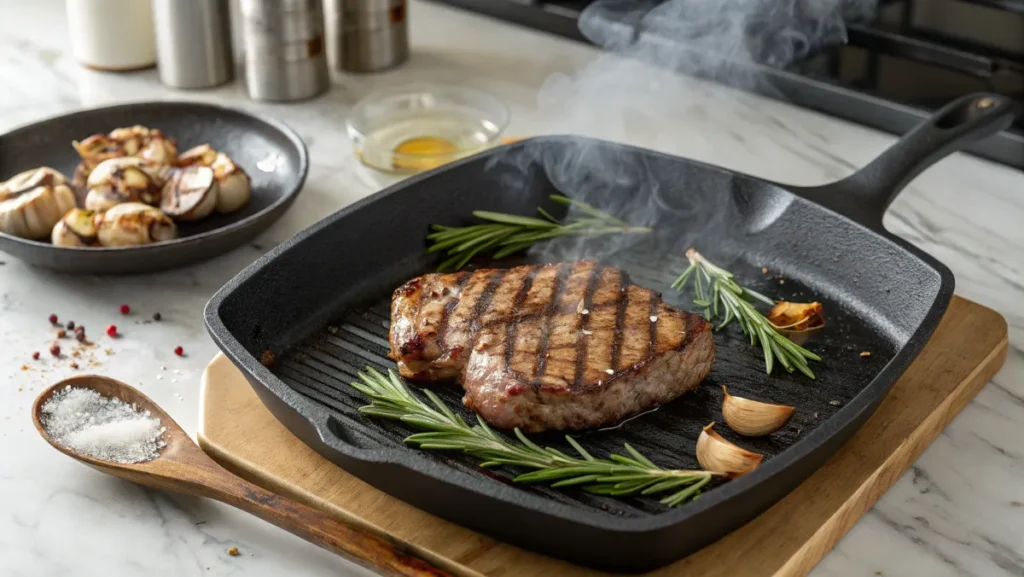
132,224
135,141
77,228
234,183
33,201
124,179
191,193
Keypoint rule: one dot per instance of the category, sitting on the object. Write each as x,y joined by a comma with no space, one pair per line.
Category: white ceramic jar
114,35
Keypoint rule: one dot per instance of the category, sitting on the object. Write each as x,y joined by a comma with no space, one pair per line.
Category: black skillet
319,304
271,153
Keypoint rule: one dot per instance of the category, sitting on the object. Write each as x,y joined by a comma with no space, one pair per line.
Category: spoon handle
355,544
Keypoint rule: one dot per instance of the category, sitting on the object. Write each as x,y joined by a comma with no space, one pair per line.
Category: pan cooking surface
320,302
321,367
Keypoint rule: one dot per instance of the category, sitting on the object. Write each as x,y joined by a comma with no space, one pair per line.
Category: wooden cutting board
968,347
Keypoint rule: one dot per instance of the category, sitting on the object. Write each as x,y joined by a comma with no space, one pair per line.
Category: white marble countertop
958,511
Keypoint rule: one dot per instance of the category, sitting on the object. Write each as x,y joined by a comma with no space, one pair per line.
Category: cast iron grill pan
320,303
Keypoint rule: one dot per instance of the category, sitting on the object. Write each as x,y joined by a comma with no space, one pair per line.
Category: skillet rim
867,400
282,199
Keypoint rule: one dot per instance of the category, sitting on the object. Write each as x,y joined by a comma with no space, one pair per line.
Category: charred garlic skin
191,193
124,179
133,224
76,229
32,202
235,185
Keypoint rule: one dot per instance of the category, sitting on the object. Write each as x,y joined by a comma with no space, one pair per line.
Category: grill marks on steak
528,356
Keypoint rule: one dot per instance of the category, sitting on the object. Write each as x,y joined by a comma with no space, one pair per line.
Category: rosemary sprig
618,475
719,294
506,234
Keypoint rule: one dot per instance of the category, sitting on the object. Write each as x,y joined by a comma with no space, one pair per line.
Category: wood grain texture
183,468
968,348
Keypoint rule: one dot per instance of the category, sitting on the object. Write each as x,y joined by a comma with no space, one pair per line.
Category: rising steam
629,92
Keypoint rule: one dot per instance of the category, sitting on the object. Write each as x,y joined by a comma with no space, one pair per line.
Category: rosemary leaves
506,234
720,295
618,475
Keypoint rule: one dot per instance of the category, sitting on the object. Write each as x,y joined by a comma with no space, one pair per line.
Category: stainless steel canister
367,35
193,42
284,49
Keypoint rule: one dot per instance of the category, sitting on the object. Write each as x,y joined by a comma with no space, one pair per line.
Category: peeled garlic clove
234,184
717,455
132,224
124,179
35,201
191,193
77,228
753,418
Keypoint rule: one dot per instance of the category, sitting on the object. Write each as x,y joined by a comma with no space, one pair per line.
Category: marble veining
958,511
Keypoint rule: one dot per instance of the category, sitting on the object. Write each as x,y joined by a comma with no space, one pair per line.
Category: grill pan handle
864,195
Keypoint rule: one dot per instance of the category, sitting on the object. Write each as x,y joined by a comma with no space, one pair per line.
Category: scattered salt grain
586,332
102,427
654,318
610,371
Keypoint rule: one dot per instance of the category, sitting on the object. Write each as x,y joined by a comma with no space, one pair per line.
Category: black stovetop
890,74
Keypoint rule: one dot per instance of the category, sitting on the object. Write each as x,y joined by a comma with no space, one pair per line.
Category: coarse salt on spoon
182,467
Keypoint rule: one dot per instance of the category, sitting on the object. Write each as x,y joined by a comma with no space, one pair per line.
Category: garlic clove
96,145
35,201
148,144
132,224
30,179
78,181
191,193
797,321
76,228
717,455
801,336
123,179
204,155
235,187
753,418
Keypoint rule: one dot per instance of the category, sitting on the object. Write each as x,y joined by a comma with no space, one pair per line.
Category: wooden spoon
183,467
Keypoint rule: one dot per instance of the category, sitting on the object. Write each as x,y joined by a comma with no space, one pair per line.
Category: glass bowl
410,129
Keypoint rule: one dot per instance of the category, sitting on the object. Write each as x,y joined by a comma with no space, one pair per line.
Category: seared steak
560,346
